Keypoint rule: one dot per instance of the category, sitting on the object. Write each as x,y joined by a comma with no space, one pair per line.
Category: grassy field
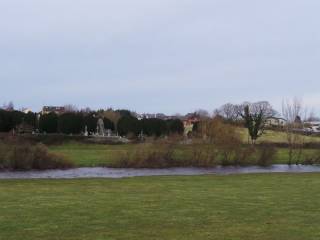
275,137
264,206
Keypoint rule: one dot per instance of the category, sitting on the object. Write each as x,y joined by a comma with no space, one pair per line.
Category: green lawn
262,206
90,155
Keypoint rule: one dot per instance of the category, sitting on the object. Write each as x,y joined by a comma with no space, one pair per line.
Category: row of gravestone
100,130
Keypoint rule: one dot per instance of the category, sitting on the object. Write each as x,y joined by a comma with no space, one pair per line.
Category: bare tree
313,117
229,112
86,110
8,106
201,113
218,132
70,108
291,111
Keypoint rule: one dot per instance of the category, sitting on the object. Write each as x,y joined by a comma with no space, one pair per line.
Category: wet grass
260,206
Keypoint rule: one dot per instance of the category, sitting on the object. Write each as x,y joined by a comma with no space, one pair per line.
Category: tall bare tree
229,112
70,108
8,106
291,111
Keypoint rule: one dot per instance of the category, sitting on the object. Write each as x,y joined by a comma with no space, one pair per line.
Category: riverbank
98,172
243,207
162,153
97,155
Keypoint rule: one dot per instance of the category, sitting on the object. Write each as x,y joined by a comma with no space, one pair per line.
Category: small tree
6,121
255,116
108,124
175,126
225,140
291,111
49,123
113,116
229,112
129,124
90,121
70,123
153,126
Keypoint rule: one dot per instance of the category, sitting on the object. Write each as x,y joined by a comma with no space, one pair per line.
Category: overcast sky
159,55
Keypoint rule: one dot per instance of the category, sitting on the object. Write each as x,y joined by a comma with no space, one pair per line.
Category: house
188,122
276,122
153,115
49,109
26,110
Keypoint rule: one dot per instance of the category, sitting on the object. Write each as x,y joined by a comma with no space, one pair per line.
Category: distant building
26,110
50,109
276,122
153,115
188,123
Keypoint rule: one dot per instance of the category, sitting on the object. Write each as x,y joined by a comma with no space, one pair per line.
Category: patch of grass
242,207
89,155
271,136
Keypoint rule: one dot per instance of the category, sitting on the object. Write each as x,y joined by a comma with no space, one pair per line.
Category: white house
276,122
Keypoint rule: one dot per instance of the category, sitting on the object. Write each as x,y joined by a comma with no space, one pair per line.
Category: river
100,172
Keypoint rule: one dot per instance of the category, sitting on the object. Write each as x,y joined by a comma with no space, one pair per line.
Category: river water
99,172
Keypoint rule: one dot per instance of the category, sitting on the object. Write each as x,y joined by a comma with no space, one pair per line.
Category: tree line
122,122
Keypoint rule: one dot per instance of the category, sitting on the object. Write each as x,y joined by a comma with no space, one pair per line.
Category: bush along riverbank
24,156
166,156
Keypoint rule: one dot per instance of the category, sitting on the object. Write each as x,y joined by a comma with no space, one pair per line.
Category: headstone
100,127
109,133
86,131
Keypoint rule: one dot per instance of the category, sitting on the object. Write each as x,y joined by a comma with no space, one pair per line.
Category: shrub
147,156
266,155
162,155
42,159
20,157
227,140
4,149
205,156
312,159
23,156
244,155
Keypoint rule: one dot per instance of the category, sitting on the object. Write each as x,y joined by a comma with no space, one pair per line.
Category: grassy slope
270,206
275,137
